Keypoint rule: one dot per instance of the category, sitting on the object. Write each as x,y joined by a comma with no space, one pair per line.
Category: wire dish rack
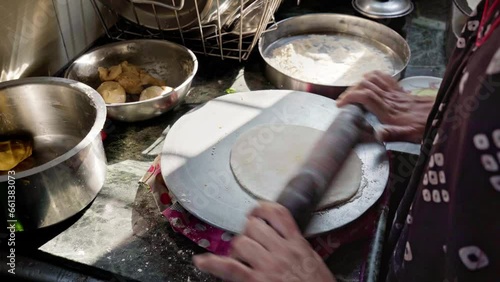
222,28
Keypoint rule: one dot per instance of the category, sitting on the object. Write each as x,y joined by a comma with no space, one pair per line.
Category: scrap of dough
266,157
112,92
109,74
130,68
154,91
131,82
147,79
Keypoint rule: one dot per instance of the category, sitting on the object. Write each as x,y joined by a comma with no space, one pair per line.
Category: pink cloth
218,241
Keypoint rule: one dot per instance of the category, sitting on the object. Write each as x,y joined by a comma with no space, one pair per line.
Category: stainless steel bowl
171,62
395,45
65,118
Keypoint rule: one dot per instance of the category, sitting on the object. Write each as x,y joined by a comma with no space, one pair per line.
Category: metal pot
329,24
68,167
383,9
171,62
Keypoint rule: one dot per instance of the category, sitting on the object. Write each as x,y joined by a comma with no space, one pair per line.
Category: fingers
367,84
378,84
226,268
382,80
366,97
278,217
398,133
264,234
249,251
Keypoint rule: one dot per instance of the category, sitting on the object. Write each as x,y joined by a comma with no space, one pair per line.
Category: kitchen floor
124,232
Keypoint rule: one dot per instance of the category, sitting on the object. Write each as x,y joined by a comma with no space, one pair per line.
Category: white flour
329,59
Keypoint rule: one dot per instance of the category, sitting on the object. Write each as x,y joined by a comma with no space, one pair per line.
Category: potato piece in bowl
112,92
154,91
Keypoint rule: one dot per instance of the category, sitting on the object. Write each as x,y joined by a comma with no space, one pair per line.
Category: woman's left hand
271,248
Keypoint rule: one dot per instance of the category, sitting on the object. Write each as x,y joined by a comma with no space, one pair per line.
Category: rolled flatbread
266,157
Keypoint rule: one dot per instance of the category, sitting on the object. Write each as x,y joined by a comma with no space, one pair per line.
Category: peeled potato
112,92
13,152
154,91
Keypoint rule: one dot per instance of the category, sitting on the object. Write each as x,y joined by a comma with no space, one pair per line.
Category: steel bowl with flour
67,167
336,51
165,60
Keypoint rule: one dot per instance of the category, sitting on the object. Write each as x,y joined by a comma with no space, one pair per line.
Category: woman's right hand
403,115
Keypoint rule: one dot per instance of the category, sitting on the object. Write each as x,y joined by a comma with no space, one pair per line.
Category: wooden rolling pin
305,190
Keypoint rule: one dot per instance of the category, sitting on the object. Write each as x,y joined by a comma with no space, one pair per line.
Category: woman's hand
271,248
404,115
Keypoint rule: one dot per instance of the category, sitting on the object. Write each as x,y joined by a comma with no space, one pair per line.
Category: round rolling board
196,157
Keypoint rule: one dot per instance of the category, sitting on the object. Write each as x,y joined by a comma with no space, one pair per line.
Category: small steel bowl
68,165
168,61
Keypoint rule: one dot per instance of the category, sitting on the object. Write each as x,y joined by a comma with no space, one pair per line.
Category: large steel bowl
394,44
68,165
171,62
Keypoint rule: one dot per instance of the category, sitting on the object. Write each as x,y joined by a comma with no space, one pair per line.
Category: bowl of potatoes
138,79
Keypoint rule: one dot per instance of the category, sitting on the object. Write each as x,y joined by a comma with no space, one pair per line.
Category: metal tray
195,157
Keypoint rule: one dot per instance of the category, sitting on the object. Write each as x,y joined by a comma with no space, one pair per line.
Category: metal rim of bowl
464,7
276,26
186,81
94,132
383,15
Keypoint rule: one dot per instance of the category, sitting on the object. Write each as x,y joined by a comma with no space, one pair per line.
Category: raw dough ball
266,157
112,92
154,91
